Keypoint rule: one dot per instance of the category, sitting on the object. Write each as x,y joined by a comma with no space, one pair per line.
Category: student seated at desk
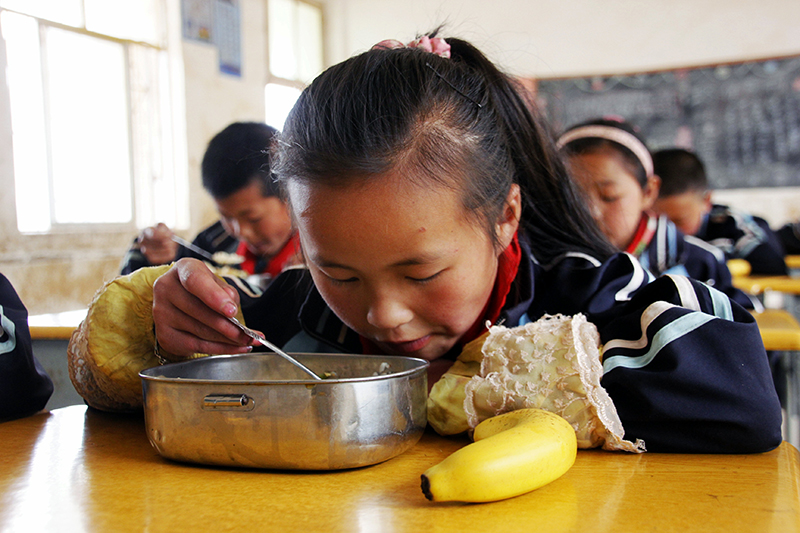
255,222
789,236
686,199
430,201
25,387
615,169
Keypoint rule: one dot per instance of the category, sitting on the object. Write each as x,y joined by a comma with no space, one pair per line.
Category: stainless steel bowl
259,411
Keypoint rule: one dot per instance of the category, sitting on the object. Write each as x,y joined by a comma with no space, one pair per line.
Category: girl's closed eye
609,199
423,280
338,279
335,281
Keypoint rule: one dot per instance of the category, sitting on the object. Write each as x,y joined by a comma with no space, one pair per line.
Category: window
90,120
295,54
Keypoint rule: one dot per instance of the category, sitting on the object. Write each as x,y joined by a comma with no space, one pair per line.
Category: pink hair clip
435,45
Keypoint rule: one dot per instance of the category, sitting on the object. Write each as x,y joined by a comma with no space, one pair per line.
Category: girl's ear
508,223
650,192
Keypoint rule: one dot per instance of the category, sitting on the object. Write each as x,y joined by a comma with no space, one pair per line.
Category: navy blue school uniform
671,252
789,235
744,236
685,365
212,239
25,387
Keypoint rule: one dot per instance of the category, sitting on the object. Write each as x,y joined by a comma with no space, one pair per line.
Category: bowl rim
151,374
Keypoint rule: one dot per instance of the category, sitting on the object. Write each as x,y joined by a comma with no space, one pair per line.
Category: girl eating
430,200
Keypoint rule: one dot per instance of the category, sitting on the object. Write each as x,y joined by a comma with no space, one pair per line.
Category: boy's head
684,196
237,156
236,172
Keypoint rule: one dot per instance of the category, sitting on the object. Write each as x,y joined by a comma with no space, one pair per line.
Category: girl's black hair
456,121
594,144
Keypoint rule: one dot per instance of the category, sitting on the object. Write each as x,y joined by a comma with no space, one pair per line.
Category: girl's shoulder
579,283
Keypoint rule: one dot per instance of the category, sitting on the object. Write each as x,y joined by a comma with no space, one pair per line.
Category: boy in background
685,198
254,222
789,236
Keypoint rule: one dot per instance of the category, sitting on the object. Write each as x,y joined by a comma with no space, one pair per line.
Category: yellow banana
513,453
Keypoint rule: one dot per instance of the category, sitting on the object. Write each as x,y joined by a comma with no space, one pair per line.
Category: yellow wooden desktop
780,332
55,326
792,261
779,329
760,284
76,469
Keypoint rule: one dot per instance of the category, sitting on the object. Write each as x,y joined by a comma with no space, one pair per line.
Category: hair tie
610,133
433,45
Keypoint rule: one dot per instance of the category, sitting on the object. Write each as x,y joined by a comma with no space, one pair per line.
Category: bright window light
91,119
279,100
295,40
91,169
137,20
27,122
69,12
282,50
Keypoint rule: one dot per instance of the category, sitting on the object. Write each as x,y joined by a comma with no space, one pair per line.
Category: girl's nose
386,312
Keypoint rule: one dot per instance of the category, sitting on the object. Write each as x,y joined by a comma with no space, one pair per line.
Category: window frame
166,164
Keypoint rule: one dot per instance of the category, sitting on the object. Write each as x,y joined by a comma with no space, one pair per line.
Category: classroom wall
553,38
530,38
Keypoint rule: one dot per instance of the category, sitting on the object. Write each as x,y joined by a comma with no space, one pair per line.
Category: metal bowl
259,411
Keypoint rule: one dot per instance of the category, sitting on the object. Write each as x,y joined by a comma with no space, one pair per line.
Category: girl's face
400,264
617,201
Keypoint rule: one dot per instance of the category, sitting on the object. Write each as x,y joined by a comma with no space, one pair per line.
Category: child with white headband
430,200
615,169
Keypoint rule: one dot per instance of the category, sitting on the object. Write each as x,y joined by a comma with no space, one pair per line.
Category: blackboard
742,120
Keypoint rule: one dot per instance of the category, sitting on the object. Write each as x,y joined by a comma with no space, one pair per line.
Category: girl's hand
190,310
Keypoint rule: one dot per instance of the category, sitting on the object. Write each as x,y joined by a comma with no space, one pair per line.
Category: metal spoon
253,335
199,251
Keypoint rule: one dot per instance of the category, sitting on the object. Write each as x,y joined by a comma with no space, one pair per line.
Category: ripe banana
513,453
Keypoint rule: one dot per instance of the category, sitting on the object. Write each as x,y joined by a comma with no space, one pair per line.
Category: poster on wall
228,36
197,19
215,22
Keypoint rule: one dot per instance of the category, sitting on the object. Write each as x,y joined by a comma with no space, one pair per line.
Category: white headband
611,133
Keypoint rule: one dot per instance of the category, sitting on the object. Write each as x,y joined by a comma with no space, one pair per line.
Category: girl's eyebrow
423,259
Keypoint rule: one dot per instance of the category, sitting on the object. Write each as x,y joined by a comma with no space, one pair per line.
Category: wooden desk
55,326
780,332
760,284
90,471
779,329
739,267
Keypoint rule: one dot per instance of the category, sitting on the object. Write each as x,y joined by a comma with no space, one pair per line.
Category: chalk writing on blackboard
742,119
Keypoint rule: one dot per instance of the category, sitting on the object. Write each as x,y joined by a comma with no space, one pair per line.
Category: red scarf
275,265
507,267
644,234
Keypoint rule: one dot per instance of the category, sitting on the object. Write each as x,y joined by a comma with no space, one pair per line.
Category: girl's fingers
192,345
187,304
198,280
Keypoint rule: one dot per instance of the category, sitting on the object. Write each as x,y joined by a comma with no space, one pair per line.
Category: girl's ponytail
555,214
